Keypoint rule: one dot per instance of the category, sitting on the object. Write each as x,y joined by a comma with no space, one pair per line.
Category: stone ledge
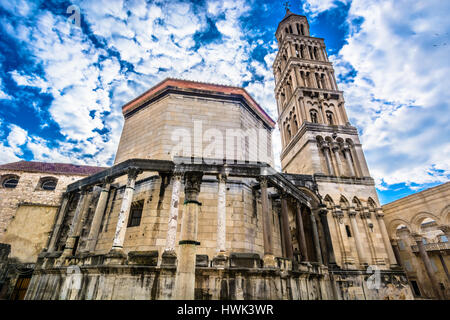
245,260
145,258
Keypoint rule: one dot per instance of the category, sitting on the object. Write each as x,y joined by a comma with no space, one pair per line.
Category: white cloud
399,98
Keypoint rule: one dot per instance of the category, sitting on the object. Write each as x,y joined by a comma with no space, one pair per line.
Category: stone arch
344,202
417,220
445,218
393,226
329,202
315,200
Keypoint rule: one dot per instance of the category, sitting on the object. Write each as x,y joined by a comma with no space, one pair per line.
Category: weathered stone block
146,258
201,260
245,260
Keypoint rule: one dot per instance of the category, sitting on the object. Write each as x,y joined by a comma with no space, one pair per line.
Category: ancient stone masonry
418,227
181,216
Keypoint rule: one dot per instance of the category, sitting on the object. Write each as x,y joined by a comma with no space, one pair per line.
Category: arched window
295,123
286,30
330,118
10,181
315,53
302,29
288,130
290,29
48,183
313,115
298,29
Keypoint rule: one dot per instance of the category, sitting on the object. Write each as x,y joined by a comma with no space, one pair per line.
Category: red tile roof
55,168
187,84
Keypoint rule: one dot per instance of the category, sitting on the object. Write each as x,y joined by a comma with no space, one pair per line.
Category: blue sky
62,86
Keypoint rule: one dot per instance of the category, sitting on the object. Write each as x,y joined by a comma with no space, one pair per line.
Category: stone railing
433,246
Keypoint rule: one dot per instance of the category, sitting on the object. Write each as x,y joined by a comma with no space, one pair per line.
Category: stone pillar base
168,259
269,261
220,261
115,256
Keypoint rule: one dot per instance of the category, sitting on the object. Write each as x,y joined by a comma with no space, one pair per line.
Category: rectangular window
136,213
415,288
349,234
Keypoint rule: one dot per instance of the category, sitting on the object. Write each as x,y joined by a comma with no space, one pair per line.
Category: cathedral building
193,209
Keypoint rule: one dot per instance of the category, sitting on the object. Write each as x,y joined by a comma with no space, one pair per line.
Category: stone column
59,221
169,255
427,263
326,230
269,259
387,243
221,215
326,152
185,276
316,238
346,149
335,147
359,249
98,215
286,230
301,233
444,265
394,244
121,227
74,225
337,218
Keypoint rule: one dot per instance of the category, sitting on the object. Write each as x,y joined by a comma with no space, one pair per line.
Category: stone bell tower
317,137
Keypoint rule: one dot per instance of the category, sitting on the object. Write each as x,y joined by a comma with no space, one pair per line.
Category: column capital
192,182
444,228
365,213
222,177
417,237
323,209
379,213
351,212
133,172
335,146
263,181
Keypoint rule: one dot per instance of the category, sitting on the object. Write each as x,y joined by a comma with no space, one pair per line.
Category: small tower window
290,29
10,182
297,51
313,114
288,129
302,30
298,29
136,213
330,119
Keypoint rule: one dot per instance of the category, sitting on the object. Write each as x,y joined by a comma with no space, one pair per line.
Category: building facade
192,208
419,231
30,195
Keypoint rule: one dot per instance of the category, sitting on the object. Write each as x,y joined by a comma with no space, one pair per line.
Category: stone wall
243,218
237,281
148,133
28,191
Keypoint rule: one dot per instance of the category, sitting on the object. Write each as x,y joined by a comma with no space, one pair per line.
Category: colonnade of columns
333,161
361,254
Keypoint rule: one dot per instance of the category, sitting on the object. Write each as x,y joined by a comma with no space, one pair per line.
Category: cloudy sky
62,86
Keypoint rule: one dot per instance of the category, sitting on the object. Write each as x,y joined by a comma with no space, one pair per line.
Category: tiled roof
55,168
195,85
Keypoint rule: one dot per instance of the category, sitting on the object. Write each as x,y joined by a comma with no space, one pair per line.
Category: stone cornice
314,127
